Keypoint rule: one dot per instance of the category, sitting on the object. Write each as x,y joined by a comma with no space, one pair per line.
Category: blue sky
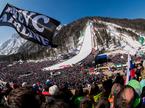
68,10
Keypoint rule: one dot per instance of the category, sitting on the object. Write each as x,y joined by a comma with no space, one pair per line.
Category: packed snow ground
86,49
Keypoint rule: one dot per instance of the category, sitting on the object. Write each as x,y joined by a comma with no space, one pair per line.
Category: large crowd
27,86
31,72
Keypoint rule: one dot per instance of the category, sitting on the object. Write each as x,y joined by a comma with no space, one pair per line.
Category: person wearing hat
127,98
138,90
24,84
53,90
35,89
136,85
48,83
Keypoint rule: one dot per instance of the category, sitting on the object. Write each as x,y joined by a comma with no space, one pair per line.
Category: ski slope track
84,52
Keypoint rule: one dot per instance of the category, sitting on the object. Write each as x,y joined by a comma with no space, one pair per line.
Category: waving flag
130,66
24,32
38,23
39,27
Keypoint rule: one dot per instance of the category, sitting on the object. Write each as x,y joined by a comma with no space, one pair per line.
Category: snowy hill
11,46
85,51
109,35
116,40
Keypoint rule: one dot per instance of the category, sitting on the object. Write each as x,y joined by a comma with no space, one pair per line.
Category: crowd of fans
110,92
31,72
27,86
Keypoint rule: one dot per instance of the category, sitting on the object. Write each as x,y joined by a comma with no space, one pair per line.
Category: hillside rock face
108,35
11,46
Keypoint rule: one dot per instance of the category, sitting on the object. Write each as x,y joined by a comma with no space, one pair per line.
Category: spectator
103,103
126,98
22,98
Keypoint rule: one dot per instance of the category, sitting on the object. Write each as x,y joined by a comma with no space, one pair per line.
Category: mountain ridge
107,33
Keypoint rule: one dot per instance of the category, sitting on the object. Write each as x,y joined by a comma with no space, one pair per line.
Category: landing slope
86,49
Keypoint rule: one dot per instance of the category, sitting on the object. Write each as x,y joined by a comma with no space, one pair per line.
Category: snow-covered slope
125,43
12,45
69,40
85,50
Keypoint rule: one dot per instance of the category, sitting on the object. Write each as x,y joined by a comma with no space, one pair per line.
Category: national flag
130,66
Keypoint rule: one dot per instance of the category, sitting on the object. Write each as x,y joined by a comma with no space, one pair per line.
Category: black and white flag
8,20
41,24
30,25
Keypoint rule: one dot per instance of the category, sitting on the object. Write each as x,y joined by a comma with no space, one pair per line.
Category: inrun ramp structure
86,49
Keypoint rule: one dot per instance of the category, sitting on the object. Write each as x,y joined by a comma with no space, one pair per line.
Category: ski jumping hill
86,49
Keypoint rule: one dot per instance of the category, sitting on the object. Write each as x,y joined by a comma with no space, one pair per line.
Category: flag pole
128,69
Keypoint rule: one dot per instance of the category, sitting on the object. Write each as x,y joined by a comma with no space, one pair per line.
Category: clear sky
68,10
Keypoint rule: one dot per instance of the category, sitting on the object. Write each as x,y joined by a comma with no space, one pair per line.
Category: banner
8,20
41,24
